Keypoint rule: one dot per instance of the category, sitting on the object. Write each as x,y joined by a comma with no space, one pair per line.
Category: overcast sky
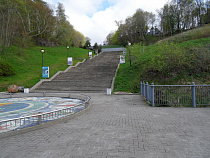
96,18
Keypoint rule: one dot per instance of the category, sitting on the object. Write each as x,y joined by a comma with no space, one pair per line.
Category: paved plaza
118,126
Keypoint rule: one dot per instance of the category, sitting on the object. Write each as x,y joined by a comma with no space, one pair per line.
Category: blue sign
45,72
124,52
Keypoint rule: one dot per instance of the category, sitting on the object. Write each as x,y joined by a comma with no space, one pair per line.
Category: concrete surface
118,126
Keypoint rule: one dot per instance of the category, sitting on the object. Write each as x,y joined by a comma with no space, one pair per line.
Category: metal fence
38,119
176,95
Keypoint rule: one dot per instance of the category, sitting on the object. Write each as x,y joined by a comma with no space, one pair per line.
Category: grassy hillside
176,60
27,63
198,33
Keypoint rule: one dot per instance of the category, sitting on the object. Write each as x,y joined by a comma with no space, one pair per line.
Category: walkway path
118,126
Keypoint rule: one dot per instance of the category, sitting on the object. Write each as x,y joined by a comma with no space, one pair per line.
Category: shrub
6,69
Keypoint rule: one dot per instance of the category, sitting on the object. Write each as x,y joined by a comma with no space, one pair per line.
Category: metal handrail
182,95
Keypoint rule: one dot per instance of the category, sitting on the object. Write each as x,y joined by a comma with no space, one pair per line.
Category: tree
8,18
24,22
207,15
133,30
177,16
115,38
95,46
87,42
79,39
36,18
65,32
108,38
199,10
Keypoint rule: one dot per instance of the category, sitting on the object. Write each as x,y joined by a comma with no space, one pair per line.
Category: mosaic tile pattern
11,108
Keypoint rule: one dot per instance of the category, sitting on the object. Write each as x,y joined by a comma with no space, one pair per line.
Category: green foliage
114,38
127,78
95,46
174,17
134,29
29,22
87,43
6,69
172,63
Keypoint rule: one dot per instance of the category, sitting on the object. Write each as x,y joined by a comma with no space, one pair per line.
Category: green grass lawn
28,63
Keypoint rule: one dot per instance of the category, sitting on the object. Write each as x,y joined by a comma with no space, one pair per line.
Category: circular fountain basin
20,107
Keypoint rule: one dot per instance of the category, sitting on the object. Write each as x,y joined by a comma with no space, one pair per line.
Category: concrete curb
113,80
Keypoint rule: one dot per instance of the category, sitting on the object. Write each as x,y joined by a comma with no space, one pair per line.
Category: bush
173,63
6,69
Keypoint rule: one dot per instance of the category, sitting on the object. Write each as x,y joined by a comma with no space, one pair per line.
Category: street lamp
88,50
67,51
42,51
129,44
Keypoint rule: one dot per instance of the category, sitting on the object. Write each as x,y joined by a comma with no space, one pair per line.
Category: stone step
93,70
101,62
72,89
83,76
77,83
97,67
74,86
94,75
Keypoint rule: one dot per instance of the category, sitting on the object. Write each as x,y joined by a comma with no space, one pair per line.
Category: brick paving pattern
118,126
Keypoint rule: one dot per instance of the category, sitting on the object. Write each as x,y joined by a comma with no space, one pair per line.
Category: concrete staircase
94,75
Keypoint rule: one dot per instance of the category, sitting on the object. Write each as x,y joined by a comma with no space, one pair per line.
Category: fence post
152,94
146,91
149,93
143,89
140,87
193,95
39,119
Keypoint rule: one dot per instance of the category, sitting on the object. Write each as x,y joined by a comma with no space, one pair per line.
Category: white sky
96,18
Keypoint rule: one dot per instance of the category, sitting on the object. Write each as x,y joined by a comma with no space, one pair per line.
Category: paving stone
114,128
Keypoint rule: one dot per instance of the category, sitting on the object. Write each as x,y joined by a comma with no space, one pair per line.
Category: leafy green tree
133,30
24,22
87,43
95,46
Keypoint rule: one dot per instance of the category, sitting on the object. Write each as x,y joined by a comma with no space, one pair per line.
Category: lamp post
88,51
129,44
42,51
67,51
